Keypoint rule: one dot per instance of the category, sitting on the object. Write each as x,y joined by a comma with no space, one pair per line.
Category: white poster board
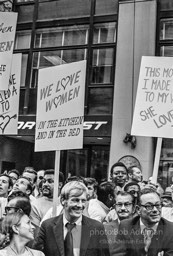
60,107
8,22
153,114
9,99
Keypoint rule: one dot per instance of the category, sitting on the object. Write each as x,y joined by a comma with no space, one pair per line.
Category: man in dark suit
88,236
147,234
125,209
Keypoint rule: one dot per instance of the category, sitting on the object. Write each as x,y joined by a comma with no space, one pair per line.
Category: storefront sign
60,107
88,126
153,115
9,99
7,33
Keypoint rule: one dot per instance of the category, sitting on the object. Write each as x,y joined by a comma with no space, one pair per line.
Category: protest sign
8,22
9,99
60,107
153,114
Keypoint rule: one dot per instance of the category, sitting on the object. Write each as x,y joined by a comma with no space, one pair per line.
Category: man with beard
125,209
118,175
146,234
44,203
72,233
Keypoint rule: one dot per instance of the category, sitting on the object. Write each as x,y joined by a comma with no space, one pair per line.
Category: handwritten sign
153,114
7,33
9,99
60,107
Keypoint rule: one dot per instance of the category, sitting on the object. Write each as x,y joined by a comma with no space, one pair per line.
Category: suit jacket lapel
156,243
85,236
59,234
137,237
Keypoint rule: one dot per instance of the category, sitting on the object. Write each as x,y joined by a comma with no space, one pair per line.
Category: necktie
148,234
68,242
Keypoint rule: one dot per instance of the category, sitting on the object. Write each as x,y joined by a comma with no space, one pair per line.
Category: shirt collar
142,226
78,222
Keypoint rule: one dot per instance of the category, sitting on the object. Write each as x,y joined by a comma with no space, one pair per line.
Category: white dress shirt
76,234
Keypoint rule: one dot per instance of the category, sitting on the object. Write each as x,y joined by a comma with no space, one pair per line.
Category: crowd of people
121,216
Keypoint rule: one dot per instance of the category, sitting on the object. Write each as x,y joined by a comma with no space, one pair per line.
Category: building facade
112,36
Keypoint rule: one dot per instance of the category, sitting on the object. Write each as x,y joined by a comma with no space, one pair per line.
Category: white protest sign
9,99
60,107
153,114
8,22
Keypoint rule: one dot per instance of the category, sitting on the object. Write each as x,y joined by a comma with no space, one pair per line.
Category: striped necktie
148,234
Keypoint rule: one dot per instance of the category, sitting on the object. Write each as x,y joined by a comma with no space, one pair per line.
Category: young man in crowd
92,186
135,174
72,230
43,204
5,188
119,175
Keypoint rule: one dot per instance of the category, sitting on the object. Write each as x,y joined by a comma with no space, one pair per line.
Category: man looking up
118,174
5,185
5,188
72,230
146,234
24,185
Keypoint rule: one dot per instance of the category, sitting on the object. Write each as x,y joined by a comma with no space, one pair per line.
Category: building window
63,9
100,101
23,69
104,33
23,40
54,58
62,36
102,66
51,33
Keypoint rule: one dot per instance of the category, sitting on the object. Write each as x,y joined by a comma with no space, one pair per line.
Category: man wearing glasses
147,234
125,208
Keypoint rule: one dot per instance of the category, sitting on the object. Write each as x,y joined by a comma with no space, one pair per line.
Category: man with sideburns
72,233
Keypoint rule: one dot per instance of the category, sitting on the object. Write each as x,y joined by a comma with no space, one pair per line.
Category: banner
153,114
8,22
9,99
60,107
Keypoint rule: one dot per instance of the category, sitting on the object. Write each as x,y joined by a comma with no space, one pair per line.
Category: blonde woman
20,230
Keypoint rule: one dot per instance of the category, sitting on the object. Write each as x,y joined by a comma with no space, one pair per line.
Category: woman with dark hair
20,231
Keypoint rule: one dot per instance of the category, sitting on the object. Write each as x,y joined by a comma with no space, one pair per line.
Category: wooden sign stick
56,182
156,161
